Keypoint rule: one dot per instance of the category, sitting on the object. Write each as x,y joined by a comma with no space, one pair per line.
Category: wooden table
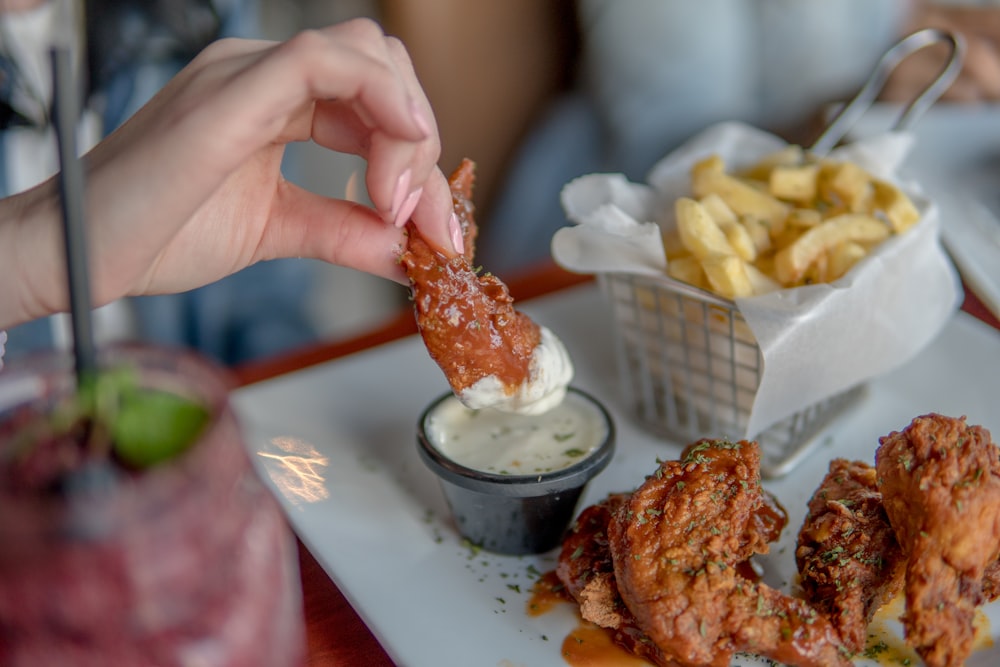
337,637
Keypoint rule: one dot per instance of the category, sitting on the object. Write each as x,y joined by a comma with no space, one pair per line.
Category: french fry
709,176
759,233
713,164
817,272
804,217
687,269
847,183
736,234
719,210
791,262
699,232
843,257
760,282
765,264
790,155
741,241
787,237
672,244
795,183
727,274
897,207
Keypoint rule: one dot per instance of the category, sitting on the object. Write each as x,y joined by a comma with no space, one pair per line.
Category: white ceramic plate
375,519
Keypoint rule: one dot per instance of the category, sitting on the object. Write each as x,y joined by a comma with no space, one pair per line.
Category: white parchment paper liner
816,341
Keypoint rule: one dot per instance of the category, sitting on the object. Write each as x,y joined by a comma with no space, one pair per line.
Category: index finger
314,65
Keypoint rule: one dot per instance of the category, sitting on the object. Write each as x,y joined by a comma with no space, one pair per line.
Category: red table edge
538,281
336,635
975,307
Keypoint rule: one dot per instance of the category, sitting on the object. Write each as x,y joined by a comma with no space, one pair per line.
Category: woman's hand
189,190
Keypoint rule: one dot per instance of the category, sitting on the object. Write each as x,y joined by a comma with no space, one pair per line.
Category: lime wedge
155,426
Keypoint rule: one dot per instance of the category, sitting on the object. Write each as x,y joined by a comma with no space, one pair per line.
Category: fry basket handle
853,110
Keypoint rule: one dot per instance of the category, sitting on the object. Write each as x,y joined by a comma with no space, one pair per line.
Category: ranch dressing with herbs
504,443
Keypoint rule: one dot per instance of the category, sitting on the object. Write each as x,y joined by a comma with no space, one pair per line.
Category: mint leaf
154,426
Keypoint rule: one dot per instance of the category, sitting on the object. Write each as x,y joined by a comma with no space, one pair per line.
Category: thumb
306,224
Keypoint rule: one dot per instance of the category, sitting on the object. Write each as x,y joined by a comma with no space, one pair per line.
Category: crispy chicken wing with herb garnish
940,484
586,570
991,581
675,546
849,561
491,354
585,567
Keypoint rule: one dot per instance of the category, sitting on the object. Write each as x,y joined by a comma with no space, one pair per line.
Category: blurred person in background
551,91
126,51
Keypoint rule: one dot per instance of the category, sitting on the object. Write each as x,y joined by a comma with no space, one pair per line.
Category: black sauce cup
514,514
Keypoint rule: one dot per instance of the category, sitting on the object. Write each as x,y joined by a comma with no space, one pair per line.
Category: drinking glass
185,562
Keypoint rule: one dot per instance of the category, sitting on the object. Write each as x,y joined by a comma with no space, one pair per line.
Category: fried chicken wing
991,581
675,545
586,570
940,484
585,567
849,561
491,354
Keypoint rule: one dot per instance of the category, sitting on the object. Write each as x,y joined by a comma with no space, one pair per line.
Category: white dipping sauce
505,443
549,374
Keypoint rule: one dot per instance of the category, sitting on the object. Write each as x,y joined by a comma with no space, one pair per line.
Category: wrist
30,254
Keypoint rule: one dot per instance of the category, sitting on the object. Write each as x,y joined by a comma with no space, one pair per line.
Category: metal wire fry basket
689,364
690,368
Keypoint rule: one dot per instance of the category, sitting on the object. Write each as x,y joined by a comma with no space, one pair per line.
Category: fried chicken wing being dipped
675,544
940,484
491,354
849,561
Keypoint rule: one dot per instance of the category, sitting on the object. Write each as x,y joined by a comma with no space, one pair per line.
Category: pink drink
188,562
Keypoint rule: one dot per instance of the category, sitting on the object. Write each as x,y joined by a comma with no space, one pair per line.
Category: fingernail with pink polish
420,119
399,194
406,210
455,229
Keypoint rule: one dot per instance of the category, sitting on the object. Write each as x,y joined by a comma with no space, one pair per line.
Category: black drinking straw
65,115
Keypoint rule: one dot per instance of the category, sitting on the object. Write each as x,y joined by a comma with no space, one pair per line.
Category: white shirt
661,70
